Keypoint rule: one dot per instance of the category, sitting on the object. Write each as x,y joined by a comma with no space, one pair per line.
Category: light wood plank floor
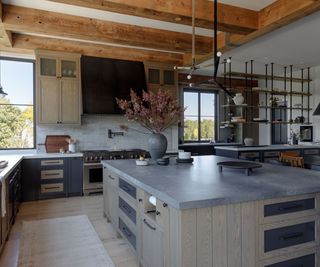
118,250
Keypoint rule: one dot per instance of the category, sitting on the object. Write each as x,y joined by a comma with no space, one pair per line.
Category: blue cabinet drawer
128,210
127,233
289,236
289,207
304,261
128,188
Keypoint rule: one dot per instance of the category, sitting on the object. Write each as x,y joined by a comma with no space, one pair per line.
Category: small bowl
142,162
184,155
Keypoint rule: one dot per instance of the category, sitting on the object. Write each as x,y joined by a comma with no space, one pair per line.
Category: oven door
93,177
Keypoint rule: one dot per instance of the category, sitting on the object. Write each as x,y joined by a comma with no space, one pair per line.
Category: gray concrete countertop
199,185
272,147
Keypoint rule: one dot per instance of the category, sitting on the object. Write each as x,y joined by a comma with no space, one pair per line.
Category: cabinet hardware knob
165,205
157,212
140,199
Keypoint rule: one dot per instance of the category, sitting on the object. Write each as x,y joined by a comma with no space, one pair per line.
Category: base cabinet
152,244
51,178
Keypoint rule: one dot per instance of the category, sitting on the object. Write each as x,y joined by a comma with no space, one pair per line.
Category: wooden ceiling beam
230,18
274,16
23,42
5,36
33,21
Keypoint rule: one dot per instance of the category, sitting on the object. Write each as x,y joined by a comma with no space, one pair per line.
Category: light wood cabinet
110,196
152,243
161,76
58,88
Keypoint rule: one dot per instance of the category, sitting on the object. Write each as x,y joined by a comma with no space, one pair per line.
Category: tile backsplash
93,134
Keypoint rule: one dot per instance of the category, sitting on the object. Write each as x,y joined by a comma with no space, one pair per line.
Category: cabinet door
48,100
112,202
105,192
152,250
70,101
30,181
75,177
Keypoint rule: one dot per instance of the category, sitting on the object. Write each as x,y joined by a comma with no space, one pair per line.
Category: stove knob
137,156
122,156
110,157
95,158
132,156
91,158
86,158
101,158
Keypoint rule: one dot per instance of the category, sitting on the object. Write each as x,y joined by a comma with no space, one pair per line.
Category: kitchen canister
238,99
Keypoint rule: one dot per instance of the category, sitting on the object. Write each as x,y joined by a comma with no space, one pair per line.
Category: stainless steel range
93,177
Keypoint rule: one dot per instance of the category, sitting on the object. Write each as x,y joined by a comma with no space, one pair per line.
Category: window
17,129
200,115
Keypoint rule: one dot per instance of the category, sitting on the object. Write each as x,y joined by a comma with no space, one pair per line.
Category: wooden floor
118,250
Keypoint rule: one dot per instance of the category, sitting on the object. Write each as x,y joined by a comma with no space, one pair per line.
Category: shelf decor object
156,112
239,165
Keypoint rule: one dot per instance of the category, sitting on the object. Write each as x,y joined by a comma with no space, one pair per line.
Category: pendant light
2,93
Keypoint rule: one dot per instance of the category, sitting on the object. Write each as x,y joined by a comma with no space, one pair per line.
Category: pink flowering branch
154,111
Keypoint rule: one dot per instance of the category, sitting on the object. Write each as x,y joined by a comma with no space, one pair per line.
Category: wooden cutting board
53,143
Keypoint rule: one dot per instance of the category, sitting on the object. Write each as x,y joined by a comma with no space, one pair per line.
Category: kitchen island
203,217
266,153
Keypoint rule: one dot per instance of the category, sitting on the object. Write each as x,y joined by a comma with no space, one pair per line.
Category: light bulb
175,67
229,60
219,54
189,77
190,84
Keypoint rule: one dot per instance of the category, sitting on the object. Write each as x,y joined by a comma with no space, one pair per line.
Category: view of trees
16,126
191,129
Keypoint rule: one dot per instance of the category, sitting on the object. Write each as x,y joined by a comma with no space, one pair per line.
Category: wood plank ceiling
24,29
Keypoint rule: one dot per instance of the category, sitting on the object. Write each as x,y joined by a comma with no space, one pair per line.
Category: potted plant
156,112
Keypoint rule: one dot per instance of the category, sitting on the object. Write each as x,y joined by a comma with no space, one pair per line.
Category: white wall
93,134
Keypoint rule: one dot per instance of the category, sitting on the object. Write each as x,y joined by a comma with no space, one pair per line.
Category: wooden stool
292,158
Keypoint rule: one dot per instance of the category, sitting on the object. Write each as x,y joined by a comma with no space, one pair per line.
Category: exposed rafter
241,21
27,20
28,43
5,36
274,16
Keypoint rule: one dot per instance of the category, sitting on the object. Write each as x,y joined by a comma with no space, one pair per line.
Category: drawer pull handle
147,224
291,236
51,174
52,162
293,207
165,205
140,199
53,187
126,232
112,178
157,212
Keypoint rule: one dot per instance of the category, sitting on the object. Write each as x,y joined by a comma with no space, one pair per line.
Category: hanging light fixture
2,93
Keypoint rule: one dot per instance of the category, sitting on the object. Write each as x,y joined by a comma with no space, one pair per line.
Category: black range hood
317,111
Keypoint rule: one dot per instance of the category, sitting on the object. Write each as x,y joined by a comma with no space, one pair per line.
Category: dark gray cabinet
75,177
51,178
30,181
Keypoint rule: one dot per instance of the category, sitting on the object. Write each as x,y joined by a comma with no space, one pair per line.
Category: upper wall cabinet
58,88
161,76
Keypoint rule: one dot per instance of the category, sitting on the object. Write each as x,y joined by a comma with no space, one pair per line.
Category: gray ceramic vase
157,145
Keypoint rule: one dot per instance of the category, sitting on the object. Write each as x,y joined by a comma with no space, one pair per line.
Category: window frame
34,100
199,91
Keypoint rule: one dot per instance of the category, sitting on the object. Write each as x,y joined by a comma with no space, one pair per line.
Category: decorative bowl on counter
143,162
